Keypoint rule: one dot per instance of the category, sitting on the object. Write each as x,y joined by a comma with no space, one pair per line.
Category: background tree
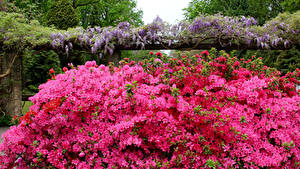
62,15
139,55
290,5
35,64
108,12
91,12
262,10
31,9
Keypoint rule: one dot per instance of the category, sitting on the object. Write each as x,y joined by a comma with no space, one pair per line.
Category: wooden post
115,58
11,85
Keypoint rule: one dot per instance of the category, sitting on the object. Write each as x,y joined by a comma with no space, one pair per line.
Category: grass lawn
25,106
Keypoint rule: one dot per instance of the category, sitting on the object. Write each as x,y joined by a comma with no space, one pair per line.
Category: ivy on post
11,84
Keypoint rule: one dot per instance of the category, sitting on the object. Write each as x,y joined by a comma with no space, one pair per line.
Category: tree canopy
262,10
62,15
108,12
91,13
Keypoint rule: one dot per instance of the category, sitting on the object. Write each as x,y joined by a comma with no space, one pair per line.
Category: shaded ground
3,130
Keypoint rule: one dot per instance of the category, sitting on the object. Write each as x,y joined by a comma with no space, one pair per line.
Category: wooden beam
223,44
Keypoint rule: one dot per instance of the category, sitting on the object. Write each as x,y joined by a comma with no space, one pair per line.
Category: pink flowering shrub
202,111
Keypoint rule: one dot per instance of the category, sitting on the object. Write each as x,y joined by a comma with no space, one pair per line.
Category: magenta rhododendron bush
201,111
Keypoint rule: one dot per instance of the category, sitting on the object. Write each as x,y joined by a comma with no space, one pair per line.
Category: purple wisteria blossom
226,30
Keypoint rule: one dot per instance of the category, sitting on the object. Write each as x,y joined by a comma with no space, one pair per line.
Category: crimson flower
151,53
198,56
27,117
51,71
158,54
65,69
205,52
52,105
132,62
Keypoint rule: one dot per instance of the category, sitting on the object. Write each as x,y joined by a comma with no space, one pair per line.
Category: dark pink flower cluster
194,112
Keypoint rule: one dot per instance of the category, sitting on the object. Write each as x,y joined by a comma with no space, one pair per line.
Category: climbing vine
223,32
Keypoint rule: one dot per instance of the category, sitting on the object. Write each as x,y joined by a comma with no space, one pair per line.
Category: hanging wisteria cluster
219,30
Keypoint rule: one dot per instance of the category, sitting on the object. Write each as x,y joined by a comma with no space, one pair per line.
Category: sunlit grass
25,106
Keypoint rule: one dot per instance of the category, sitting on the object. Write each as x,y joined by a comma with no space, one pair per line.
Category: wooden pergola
11,63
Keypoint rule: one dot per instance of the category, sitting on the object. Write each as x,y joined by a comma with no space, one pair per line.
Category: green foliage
26,106
5,119
36,66
288,61
79,57
290,5
137,55
179,53
3,5
108,12
212,164
7,6
262,10
18,32
62,15
90,12
30,10
283,60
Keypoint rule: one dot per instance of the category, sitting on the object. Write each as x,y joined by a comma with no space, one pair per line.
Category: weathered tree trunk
11,85
115,58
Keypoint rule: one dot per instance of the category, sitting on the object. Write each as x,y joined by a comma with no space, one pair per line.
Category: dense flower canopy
201,111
